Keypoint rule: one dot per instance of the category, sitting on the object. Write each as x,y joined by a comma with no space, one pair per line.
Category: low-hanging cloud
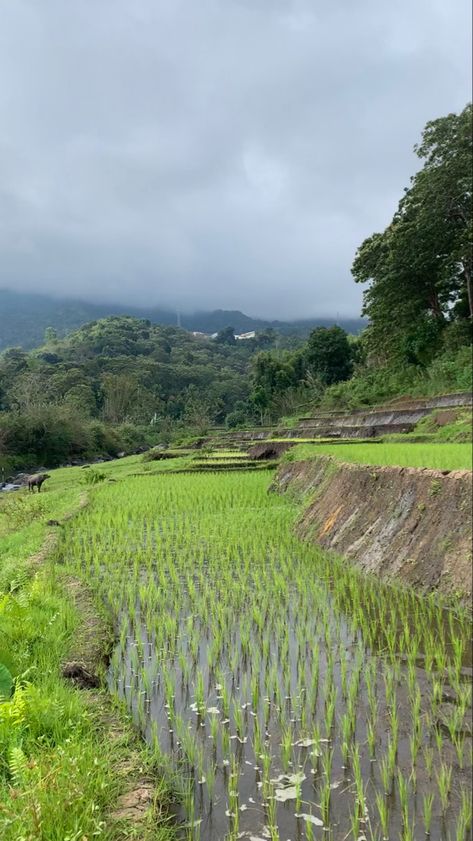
220,153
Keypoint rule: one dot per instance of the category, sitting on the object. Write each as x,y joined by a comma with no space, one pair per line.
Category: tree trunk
469,287
435,305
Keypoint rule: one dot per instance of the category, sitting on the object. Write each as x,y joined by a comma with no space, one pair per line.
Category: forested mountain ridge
25,317
124,369
121,382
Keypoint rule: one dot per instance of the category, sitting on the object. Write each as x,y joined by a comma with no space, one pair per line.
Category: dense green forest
122,382
118,383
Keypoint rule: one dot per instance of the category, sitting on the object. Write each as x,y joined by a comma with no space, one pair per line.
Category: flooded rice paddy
294,698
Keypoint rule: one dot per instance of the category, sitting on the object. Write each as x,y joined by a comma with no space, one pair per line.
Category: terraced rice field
294,698
433,456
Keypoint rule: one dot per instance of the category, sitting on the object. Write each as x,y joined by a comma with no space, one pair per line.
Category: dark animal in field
36,481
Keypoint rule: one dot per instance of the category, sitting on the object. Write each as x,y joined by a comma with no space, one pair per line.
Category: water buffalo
36,481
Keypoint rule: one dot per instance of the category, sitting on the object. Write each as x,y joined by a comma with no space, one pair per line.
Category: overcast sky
214,153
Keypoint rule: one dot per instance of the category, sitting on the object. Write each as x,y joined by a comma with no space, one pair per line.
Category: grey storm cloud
213,153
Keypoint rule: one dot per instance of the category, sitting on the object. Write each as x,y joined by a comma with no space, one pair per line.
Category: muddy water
138,674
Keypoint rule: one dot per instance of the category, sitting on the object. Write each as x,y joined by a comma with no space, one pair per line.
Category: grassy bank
66,756
433,456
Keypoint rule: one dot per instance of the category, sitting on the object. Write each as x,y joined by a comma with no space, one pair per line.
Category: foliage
93,477
226,336
117,384
6,683
284,380
419,269
449,372
328,355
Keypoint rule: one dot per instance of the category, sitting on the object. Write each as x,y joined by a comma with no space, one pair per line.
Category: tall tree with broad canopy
419,269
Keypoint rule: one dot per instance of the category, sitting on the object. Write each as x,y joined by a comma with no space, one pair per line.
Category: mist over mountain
25,317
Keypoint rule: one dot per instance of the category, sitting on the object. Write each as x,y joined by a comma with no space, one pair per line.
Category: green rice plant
225,743
325,799
459,742
428,756
355,823
210,776
358,777
238,720
427,807
383,812
327,762
438,739
266,766
330,711
387,773
414,745
408,831
286,747
214,729
345,751
272,819
371,738
403,788
309,830
394,724
466,810
444,782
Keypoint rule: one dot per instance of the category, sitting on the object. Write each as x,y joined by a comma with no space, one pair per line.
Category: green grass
434,456
58,764
458,430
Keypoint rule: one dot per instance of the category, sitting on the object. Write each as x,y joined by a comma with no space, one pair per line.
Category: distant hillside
25,317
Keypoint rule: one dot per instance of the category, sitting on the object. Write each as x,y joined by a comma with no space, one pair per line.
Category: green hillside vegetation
117,384
122,383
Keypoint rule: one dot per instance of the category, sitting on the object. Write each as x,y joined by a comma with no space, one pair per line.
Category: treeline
118,384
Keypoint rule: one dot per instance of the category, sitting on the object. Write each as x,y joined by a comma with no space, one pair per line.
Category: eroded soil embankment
396,522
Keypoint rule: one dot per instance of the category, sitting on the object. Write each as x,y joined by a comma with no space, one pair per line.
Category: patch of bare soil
445,417
269,450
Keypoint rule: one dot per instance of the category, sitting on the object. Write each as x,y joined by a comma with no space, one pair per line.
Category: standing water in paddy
296,699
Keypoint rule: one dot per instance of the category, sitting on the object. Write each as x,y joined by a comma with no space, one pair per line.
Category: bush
53,435
449,372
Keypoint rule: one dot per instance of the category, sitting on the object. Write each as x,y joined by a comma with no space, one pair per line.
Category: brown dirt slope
406,523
